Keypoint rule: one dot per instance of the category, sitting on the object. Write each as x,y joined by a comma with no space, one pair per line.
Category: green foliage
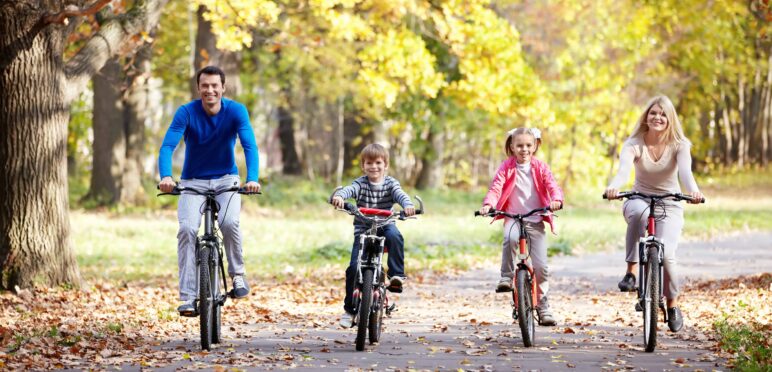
749,342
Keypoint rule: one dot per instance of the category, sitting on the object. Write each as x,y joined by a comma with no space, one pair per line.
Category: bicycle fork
643,247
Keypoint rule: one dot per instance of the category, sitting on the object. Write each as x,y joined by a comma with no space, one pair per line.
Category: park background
437,82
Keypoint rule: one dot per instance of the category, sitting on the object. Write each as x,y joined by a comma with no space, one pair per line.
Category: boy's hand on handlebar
167,184
485,209
409,211
556,205
252,186
337,202
611,193
696,197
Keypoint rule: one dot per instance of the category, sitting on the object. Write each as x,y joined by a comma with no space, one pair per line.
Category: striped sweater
380,196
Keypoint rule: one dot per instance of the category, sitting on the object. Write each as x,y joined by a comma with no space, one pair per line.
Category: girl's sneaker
347,320
544,313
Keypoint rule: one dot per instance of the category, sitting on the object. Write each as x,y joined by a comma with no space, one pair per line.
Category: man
209,126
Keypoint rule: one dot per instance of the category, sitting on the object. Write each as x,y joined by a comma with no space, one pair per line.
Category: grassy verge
749,343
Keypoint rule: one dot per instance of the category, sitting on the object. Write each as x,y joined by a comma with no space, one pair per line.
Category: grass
749,342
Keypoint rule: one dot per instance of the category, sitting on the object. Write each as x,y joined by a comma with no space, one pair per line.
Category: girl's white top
524,198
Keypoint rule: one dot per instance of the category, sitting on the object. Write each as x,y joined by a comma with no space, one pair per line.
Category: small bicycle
370,292
212,286
524,299
651,252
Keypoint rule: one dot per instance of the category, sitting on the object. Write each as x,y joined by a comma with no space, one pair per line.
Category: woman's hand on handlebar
252,186
337,202
167,184
611,193
697,197
485,209
556,205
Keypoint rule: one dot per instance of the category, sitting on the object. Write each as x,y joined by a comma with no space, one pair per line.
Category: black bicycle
651,251
524,298
212,286
370,291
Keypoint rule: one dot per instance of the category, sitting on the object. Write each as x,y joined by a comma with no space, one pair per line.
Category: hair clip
536,133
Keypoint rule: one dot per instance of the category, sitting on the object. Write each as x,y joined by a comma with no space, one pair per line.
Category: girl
521,184
659,152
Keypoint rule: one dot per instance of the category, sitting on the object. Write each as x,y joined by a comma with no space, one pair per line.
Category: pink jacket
503,184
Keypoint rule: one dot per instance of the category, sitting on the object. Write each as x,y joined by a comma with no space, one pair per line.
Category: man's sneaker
544,313
187,308
675,320
240,287
627,284
395,283
504,285
347,320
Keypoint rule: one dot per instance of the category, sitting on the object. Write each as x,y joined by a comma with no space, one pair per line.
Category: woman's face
656,119
523,146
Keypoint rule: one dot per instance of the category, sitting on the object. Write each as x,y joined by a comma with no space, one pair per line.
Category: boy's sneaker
627,284
504,285
395,283
240,287
347,320
675,320
187,308
544,313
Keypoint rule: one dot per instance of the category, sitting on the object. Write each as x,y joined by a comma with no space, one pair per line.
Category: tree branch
107,42
73,11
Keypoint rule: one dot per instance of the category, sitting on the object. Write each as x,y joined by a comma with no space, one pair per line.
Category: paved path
459,323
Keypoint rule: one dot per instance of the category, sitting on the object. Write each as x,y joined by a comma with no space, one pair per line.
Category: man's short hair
374,151
210,70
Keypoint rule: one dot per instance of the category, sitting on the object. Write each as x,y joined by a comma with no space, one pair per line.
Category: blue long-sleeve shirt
210,141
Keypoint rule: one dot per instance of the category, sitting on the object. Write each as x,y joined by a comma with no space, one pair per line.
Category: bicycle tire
364,307
525,307
205,300
376,316
215,272
651,299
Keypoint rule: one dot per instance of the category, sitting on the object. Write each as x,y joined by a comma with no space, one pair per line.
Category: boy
374,190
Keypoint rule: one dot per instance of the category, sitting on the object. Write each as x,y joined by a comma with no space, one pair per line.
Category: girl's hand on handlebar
251,186
337,202
409,211
556,205
611,193
696,197
167,184
485,209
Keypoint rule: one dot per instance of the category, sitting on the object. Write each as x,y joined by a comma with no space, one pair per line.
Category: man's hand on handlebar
167,184
337,202
252,186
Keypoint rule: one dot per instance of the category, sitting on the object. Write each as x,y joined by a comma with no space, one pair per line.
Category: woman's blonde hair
533,132
674,131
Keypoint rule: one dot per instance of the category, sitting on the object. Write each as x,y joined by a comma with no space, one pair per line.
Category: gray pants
668,230
189,212
538,244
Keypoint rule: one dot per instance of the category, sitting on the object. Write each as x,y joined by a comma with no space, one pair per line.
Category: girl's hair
533,132
674,131
373,151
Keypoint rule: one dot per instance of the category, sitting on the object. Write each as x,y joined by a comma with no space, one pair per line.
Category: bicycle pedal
504,290
189,314
394,289
638,307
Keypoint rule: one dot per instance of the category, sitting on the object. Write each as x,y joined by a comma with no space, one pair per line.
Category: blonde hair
533,132
373,151
674,131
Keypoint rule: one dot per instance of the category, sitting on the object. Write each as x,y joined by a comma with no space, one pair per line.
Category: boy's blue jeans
396,261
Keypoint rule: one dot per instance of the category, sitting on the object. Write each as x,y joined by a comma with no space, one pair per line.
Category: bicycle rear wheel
525,306
376,316
651,298
364,307
205,299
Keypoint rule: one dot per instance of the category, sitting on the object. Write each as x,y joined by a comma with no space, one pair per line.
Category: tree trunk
339,147
36,88
431,176
137,113
289,156
207,54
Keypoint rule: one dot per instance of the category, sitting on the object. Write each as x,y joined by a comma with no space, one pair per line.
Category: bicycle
524,300
212,286
370,292
651,252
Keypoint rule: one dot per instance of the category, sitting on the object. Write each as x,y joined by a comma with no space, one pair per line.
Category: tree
36,87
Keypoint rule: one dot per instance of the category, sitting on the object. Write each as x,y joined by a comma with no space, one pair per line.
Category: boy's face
375,169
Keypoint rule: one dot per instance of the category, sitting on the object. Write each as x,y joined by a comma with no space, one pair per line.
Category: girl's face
523,146
656,119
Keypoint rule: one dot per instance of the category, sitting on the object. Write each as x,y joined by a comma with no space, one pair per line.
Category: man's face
210,88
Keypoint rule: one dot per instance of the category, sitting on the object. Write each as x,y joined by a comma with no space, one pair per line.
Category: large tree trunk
36,88
289,155
137,113
432,176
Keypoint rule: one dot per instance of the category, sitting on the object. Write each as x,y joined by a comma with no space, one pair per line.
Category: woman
660,153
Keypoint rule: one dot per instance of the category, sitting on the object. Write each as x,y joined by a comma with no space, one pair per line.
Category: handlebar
179,189
368,212
676,196
493,212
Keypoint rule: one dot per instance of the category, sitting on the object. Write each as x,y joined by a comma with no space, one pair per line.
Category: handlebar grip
476,213
604,196
349,207
702,200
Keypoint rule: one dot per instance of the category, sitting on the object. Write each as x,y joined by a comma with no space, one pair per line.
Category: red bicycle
524,299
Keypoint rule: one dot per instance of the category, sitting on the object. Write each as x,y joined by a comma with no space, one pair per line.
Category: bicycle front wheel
651,298
205,300
525,306
215,271
364,307
376,315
